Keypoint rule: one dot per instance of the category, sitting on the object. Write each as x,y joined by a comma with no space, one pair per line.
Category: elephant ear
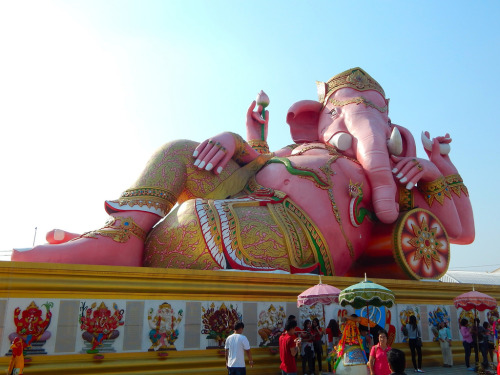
409,147
303,120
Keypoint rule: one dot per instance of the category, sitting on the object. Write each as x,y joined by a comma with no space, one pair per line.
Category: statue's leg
169,177
241,234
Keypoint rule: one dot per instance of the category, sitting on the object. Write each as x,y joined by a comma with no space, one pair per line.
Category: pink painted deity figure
349,195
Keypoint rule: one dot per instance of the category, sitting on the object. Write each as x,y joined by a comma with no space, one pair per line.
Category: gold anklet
120,233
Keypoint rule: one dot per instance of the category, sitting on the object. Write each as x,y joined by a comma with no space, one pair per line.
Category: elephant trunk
372,132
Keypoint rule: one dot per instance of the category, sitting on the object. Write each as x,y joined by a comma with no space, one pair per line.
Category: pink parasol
320,293
475,300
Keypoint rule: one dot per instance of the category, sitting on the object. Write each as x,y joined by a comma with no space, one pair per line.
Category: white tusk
444,148
341,140
395,143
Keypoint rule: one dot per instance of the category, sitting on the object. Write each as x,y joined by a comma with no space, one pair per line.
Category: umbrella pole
326,343
476,346
368,316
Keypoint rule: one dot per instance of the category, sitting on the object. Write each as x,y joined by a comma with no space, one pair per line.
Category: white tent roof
468,277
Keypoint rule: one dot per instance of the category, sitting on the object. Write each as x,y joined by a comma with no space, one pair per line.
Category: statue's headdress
165,305
32,306
355,78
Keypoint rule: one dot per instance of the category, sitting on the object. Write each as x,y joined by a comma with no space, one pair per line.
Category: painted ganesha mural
349,196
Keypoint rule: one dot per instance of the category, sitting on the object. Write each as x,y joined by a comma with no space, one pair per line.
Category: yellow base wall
57,281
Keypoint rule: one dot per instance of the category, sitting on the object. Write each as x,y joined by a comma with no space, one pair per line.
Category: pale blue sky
93,87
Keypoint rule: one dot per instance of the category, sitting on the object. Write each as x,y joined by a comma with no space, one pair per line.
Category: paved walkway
455,370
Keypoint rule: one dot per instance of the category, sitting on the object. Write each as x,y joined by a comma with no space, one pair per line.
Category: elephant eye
333,112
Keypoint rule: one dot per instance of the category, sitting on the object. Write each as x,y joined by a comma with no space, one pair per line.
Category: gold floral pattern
456,184
434,190
425,243
358,100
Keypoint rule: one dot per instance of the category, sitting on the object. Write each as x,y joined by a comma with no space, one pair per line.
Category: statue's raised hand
257,123
214,153
438,149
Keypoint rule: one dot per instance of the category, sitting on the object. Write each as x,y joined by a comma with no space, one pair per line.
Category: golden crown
355,78
102,306
32,306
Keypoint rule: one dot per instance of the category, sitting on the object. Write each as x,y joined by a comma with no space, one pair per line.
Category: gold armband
456,184
118,233
434,190
406,201
240,150
260,146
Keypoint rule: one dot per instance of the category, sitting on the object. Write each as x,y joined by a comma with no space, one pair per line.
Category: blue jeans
288,373
237,370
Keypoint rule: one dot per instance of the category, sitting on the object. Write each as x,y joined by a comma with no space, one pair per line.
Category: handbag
419,342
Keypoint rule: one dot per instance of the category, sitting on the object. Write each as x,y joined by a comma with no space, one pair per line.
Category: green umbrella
366,293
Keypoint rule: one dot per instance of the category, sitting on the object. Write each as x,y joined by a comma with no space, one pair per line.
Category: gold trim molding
29,280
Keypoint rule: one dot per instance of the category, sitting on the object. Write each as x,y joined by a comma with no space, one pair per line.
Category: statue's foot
100,250
57,236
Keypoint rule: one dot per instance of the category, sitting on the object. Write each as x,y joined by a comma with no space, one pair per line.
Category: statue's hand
214,153
255,122
410,170
436,155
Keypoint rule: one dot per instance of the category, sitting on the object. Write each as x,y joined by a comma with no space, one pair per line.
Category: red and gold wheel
421,245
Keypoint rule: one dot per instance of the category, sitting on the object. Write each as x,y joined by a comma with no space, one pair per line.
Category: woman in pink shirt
466,341
378,356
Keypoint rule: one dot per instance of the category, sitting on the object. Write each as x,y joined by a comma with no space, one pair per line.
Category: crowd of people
381,359
479,338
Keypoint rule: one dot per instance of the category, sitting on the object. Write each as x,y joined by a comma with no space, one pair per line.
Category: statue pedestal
193,300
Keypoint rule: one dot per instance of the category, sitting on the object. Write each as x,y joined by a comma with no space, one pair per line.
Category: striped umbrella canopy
475,300
366,293
320,293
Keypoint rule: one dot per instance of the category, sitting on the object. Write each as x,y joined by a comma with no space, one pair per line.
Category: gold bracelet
120,233
260,146
406,200
240,150
456,184
435,190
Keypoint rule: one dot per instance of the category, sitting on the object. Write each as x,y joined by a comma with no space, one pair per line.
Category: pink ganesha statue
350,196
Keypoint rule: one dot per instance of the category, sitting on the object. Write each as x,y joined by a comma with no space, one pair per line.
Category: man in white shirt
236,346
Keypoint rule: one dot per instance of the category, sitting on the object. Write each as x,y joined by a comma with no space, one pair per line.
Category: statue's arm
257,129
437,192
459,192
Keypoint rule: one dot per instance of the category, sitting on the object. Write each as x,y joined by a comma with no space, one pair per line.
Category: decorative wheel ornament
421,245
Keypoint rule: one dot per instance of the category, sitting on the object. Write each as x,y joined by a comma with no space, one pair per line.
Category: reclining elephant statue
351,185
